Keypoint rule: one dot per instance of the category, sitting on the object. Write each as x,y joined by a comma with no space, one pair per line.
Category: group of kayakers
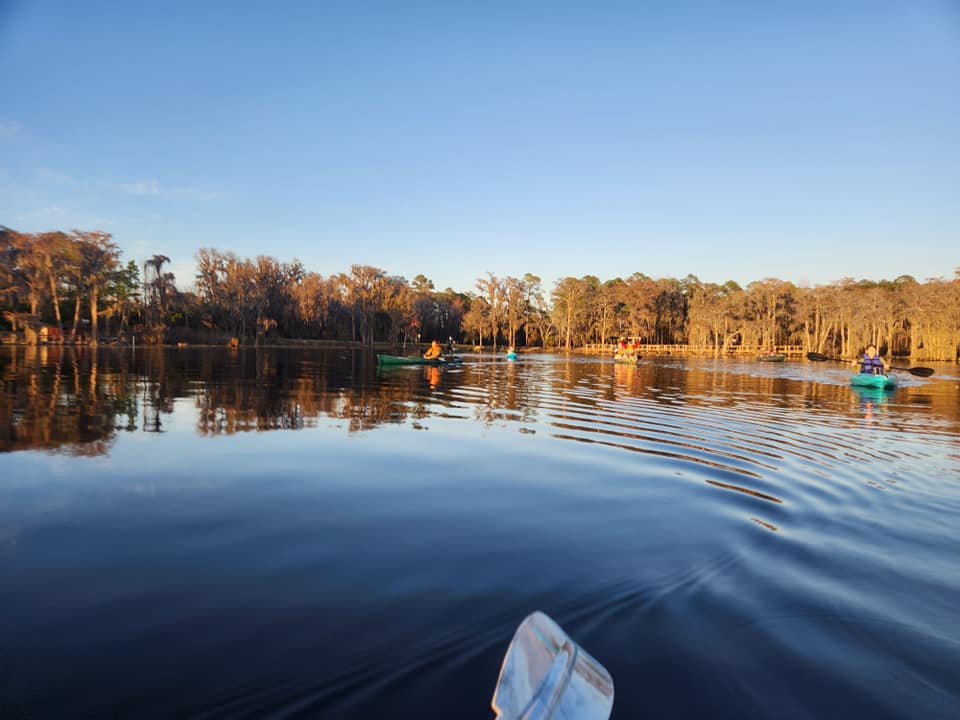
871,363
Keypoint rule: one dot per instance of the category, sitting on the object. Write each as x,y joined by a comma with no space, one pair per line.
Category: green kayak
868,380
771,357
413,360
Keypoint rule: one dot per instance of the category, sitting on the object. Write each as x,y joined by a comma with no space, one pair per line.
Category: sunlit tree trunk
76,317
54,295
94,301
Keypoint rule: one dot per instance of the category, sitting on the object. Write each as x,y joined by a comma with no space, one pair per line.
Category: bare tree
99,259
493,291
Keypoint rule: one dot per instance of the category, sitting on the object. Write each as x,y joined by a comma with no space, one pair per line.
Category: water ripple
301,535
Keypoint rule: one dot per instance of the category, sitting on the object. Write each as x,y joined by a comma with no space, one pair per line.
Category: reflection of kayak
413,360
773,357
872,394
867,380
629,359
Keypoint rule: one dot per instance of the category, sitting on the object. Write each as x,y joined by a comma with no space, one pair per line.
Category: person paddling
871,363
433,352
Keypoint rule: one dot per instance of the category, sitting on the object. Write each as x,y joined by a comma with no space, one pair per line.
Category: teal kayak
413,360
868,380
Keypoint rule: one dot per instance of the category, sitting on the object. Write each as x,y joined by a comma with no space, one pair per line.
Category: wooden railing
686,349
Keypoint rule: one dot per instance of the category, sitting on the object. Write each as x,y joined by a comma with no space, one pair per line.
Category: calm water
209,534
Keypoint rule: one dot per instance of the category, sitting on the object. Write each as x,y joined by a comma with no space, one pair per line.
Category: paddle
547,675
918,371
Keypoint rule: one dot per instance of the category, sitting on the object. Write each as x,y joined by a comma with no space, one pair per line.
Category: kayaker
871,363
433,352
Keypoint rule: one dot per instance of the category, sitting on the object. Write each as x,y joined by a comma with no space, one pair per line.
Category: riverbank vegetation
75,287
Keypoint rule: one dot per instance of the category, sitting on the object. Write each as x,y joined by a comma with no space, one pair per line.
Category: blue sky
809,141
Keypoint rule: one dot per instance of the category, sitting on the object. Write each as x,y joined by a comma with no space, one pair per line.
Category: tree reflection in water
65,399
76,400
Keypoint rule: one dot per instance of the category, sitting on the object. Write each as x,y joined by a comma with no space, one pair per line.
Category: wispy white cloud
198,193
54,176
8,130
152,188
40,215
62,217
142,187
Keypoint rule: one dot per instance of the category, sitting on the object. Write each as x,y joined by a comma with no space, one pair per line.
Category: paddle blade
546,675
920,371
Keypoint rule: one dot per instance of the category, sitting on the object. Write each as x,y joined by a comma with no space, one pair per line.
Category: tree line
74,286
901,317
